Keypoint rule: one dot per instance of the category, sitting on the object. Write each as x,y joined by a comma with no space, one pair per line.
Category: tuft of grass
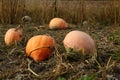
115,38
61,78
75,55
88,77
83,77
116,56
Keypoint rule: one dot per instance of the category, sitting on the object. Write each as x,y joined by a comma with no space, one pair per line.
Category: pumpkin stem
18,27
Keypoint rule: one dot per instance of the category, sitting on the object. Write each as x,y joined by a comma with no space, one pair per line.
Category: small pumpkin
79,41
39,47
58,23
26,19
13,35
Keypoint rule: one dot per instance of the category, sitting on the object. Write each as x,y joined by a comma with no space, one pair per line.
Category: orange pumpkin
13,35
40,47
79,41
58,23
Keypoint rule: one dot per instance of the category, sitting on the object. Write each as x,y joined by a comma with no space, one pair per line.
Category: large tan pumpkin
58,23
13,35
79,41
40,47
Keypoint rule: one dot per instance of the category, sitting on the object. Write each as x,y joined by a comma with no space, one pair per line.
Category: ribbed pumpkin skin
40,47
58,23
79,40
12,36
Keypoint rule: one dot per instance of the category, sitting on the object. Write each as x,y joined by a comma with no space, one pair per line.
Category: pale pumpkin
79,41
58,23
39,47
26,19
13,35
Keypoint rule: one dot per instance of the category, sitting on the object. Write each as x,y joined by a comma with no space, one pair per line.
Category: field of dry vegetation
41,11
103,25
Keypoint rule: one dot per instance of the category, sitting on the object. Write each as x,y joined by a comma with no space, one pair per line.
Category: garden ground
59,66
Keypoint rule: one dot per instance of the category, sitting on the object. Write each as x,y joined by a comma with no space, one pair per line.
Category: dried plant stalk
12,10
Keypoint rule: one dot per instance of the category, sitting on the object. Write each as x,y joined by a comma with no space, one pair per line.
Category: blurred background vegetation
73,11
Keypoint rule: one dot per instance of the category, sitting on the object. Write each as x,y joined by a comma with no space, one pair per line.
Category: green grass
86,77
115,38
83,77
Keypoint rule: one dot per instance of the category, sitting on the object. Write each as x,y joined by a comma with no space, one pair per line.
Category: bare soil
14,62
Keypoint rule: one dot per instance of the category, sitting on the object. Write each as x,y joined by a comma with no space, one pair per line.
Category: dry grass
12,11
105,12
41,11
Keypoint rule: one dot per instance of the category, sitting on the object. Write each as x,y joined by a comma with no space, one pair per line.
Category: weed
116,56
88,77
61,78
83,77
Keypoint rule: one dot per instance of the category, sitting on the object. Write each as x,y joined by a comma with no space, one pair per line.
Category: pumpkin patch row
40,47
